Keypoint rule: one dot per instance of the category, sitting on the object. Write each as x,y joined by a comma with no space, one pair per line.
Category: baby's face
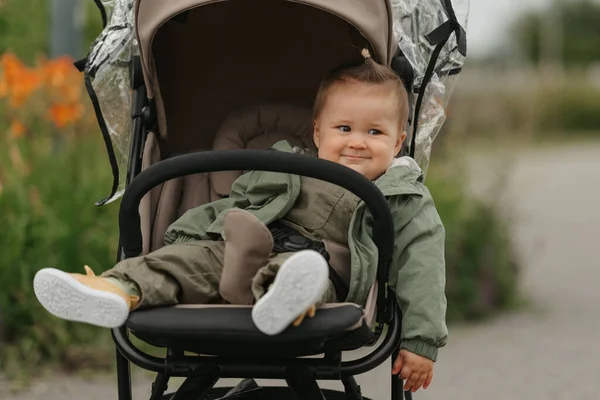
359,127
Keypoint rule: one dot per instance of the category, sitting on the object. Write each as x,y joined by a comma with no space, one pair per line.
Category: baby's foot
308,313
298,286
83,298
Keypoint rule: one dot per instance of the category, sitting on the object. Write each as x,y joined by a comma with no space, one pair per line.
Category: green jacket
417,273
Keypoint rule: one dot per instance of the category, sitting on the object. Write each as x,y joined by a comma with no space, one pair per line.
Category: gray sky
489,20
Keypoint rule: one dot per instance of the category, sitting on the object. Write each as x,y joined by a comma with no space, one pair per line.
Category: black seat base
228,331
267,393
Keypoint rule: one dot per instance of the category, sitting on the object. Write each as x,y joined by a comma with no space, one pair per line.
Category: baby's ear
399,141
316,134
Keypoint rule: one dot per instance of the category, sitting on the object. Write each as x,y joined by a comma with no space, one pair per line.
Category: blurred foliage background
53,167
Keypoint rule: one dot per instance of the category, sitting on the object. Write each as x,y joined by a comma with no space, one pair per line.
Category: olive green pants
189,273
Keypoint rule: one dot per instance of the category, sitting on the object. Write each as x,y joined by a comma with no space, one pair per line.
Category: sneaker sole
299,284
67,298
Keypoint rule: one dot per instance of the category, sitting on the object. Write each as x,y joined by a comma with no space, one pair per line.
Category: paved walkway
549,350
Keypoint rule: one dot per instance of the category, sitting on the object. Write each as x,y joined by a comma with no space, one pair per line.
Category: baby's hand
415,369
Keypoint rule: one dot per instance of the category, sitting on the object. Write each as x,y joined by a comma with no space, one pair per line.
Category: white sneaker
300,283
82,298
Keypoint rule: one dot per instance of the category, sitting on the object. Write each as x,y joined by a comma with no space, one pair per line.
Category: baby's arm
254,189
194,223
417,274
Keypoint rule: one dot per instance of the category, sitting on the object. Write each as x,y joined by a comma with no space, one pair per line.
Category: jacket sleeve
194,223
418,275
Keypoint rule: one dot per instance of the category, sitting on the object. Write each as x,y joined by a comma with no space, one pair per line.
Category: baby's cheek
328,155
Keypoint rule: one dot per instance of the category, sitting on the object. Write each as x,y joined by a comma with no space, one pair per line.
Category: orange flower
3,86
58,87
17,129
65,114
18,81
61,79
69,93
58,71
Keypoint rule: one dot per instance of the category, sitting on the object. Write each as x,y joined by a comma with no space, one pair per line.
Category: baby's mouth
355,157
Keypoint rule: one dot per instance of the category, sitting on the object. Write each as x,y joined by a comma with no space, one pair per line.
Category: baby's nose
356,143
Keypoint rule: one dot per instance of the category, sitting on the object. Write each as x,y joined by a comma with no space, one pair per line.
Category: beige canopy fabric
373,18
222,55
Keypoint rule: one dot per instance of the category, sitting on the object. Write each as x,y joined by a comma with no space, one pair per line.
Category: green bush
481,269
572,108
25,27
49,219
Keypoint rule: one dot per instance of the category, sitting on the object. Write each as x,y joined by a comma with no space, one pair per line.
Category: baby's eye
344,128
375,132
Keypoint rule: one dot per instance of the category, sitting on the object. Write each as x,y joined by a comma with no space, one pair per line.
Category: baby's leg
186,273
266,275
294,284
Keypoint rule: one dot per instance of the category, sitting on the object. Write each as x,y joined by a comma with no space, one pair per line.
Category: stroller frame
202,372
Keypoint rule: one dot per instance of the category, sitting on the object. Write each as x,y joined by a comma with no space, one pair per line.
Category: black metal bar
159,386
351,388
123,377
321,368
133,354
139,134
139,100
198,384
182,366
397,383
303,384
383,351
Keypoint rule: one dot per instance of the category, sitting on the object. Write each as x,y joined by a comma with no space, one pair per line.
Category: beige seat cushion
168,201
259,127
254,127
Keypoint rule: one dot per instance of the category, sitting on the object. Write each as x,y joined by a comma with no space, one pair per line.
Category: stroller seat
228,329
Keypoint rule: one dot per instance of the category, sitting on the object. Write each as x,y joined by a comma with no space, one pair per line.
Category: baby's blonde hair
369,72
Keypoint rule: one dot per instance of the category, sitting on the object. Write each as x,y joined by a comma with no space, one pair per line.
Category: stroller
164,75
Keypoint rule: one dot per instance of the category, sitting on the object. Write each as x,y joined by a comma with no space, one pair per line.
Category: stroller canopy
203,58
372,18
